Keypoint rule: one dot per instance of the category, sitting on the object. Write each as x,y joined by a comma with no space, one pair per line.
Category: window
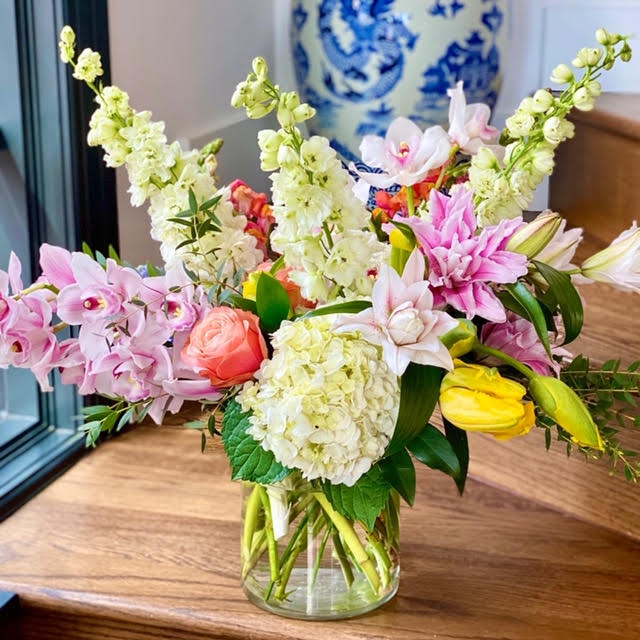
52,189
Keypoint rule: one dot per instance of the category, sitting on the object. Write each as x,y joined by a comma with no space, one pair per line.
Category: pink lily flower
406,154
469,126
518,338
461,263
402,319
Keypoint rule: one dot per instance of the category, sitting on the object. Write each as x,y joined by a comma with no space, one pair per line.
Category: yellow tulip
562,404
478,398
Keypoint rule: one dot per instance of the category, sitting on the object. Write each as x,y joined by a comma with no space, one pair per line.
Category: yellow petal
522,428
480,378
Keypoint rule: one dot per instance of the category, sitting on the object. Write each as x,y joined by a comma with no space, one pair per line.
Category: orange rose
226,345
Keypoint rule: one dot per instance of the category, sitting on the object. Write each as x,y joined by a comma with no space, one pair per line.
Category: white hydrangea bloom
325,403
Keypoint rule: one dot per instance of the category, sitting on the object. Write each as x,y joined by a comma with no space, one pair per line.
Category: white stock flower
88,66
325,403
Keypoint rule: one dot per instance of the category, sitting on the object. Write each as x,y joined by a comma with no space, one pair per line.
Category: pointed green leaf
563,295
432,448
193,203
243,303
364,501
353,306
399,472
459,442
419,392
532,311
272,302
249,461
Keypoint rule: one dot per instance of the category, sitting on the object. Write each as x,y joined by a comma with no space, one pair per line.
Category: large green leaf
272,302
530,309
353,306
419,392
249,461
563,295
364,501
458,440
432,448
400,473
243,303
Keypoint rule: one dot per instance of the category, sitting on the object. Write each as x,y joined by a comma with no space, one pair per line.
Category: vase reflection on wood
302,559
362,63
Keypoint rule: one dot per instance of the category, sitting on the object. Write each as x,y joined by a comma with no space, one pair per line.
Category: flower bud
542,160
625,53
485,159
527,105
533,237
239,95
67,35
619,263
542,100
212,147
603,36
519,124
287,157
562,404
583,100
399,240
561,74
553,130
303,112
477,398
460,340
211,164
594,88
260,68
260,109
577,63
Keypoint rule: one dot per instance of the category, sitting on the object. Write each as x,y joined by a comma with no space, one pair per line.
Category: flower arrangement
328,331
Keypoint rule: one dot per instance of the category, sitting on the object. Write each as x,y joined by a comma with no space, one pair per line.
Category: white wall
182,61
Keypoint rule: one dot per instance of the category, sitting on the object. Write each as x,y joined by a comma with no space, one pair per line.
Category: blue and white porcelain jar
362,63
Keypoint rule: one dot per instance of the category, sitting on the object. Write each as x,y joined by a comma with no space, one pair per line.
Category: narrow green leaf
100,259
113,254
212,202
87,249
432,448
193,424
211,424
249,461
125,418
193,203
184,223
203,442
243,303
152,270
399,472
354,306
277,265
533,311
419,392
459,442
364,501
272,302
562,294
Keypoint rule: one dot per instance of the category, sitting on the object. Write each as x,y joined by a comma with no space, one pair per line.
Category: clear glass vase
302,559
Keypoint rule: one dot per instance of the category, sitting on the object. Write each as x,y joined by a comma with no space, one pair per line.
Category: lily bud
562,404
460,340
619,263
478,398
400,241
561,74
531,239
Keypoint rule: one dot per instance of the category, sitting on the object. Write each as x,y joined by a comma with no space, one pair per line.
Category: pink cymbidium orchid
461,262
55,263
402,319
406,154
469,126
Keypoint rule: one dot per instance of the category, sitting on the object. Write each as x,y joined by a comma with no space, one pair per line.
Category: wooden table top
140,540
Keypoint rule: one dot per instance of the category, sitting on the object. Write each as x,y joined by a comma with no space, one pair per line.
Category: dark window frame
67,204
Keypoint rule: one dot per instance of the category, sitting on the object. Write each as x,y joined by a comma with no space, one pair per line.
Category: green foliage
353,306
399,472
364,501
102,418
562,296
432,448
612,395
529,308
419,392
459,442
272,302
249,461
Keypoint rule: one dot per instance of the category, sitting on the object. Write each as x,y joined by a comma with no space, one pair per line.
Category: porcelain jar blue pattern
362,63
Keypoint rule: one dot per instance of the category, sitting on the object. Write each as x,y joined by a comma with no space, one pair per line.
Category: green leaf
364,501
212,202
532,312
125,417
272,302
419,392
152,270
193,203
203,442
249,461
87,249
399,472
354,306
185,223
211,425
113,254
432,448
193,424
243,303
277,265
458,440
563,295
